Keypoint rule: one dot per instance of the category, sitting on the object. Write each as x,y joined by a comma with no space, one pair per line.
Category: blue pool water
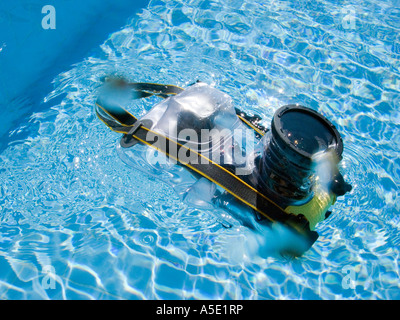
77,223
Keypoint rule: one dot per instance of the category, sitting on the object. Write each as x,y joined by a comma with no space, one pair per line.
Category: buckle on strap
127,139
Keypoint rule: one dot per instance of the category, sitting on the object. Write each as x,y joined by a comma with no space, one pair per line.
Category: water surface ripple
71,209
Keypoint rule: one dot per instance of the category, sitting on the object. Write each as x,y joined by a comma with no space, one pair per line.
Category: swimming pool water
72,211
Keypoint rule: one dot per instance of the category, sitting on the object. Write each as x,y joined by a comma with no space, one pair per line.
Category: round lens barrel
302,132
297,134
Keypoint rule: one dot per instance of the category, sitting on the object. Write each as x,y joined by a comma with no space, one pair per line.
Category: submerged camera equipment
286,169
282,187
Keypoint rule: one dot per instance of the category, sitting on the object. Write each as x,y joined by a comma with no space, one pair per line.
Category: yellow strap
215,164
261,133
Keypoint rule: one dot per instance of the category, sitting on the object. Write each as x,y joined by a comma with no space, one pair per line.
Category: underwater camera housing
298,168
284,181
298,135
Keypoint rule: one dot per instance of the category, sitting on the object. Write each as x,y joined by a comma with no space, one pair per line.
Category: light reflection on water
110,232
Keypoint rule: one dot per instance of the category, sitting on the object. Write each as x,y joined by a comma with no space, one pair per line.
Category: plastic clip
128,140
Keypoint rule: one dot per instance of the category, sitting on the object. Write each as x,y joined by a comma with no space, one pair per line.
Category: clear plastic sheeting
199,107
205,118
